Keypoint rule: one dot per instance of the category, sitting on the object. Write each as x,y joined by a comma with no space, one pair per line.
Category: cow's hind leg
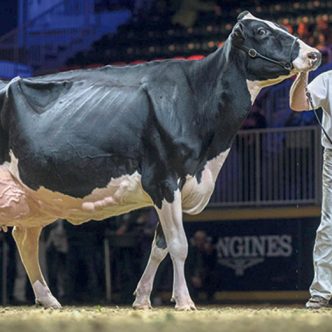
170,216
27,240
144,287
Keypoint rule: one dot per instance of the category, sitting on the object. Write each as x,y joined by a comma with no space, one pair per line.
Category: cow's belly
22,206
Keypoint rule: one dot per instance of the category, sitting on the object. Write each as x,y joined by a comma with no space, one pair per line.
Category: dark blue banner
260,254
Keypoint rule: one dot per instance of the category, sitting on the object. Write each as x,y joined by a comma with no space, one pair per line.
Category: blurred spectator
322,25
126,265
200,265
131,249
85,262
288,25
20,282
189,10
7,266
320,43
56,253
302,28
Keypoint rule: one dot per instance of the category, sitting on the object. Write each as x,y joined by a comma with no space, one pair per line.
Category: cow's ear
242,15
238,32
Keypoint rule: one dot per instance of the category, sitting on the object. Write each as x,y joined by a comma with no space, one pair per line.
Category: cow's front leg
144,286
27,240
170,215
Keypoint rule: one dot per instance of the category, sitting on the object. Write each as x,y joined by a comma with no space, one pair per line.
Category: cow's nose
315,57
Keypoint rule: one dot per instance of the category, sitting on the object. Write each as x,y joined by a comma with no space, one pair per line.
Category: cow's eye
261,31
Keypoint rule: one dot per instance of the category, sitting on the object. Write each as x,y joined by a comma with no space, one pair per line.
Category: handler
320,90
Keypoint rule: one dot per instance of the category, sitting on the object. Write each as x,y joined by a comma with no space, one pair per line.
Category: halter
255,54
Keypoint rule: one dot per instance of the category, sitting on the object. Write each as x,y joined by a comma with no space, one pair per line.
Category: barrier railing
279,166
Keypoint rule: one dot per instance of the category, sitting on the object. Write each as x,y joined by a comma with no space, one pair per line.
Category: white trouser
322,256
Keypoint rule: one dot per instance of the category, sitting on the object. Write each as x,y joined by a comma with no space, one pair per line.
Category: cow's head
272,54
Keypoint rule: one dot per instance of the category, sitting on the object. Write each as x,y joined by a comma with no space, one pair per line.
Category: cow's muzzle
315,59
308,59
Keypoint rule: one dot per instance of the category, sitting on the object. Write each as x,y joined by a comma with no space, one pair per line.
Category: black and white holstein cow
90,144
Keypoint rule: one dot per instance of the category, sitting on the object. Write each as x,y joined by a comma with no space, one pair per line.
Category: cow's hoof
142,305
184,304
142,300
186,307
48,303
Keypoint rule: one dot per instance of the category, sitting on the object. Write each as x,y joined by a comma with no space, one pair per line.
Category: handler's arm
298,99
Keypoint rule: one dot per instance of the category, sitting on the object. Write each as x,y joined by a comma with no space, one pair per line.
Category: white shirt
321,93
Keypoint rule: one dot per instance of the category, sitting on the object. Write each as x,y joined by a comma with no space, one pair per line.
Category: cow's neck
230,99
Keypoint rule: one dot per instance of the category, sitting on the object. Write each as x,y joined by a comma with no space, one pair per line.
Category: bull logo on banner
242,252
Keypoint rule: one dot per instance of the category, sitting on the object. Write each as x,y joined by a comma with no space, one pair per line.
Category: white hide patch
254,88
195,196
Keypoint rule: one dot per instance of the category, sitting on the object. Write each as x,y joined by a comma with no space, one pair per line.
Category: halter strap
255,54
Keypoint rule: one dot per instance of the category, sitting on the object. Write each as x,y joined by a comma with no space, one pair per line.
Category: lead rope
309,98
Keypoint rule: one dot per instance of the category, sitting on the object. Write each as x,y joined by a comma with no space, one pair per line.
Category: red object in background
137,62
322,23
302,28
196,57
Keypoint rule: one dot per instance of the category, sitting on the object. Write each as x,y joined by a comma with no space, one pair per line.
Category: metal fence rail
280,166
